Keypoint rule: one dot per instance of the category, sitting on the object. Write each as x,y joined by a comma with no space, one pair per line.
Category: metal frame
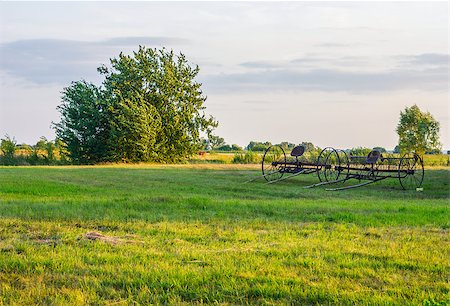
335,166
276,167
408,169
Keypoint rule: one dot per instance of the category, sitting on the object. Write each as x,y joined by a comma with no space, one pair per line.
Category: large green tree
148,108
418,131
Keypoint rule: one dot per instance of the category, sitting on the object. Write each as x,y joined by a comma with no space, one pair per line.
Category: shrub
8,148
248,157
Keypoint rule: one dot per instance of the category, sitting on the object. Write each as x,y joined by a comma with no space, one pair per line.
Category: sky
331,73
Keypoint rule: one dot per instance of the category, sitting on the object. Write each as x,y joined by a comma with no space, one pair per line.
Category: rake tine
259,177
355,186
286,177
327,183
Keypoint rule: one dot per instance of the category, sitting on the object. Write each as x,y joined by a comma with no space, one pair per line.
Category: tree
258,146
215,142
418,131
360,151
235,147
287,145
149,108
309,146
84,127
8,148
225,147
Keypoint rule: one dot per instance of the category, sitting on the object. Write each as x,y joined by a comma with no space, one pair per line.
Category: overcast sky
333,73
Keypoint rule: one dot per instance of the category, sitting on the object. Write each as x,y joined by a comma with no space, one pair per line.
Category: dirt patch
48,241
96,236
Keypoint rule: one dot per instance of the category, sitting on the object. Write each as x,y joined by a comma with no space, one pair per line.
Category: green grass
104,235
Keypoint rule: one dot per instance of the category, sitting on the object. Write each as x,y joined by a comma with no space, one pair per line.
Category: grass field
188,234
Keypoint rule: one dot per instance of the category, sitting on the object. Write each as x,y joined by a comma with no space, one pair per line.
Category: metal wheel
410,171
344,163
332,166
321,163
273,163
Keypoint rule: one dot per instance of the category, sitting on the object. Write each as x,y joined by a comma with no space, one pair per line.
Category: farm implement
333,166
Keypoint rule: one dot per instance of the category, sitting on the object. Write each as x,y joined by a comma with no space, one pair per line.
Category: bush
360,151
248,157
8,148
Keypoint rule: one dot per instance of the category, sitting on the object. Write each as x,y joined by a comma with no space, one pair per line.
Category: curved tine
327,183
254,179
355,186
259,177
286,177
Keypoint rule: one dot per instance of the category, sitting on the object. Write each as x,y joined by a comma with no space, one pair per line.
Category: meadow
196,234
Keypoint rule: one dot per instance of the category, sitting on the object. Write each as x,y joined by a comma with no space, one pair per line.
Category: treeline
44,152
53,152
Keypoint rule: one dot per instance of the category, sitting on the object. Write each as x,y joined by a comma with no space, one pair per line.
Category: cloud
353,74
148,41
327,80
429,59
259,65
334,45
57,61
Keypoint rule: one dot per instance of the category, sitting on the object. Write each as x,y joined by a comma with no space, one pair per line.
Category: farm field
195,234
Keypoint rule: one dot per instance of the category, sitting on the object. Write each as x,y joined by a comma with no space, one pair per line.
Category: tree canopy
418,131
148,108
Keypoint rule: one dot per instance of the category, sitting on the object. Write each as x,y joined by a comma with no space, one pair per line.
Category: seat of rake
298,151
373,157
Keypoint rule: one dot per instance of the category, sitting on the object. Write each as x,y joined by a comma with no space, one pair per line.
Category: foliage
44,152
309,147
360,151
225,148
235,147
249,157
215,142
84,127
287,146
258,146
8,148
149,108
418,131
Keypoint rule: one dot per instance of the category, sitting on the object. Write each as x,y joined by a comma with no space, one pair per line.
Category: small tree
360,151
8,148
418,131
309,146
236,147
258,146
216,142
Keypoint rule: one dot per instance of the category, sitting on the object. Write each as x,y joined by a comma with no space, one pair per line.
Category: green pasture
192,235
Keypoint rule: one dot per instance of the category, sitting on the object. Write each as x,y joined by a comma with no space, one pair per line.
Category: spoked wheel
273,162
410,171
344,163
332,166
321,163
